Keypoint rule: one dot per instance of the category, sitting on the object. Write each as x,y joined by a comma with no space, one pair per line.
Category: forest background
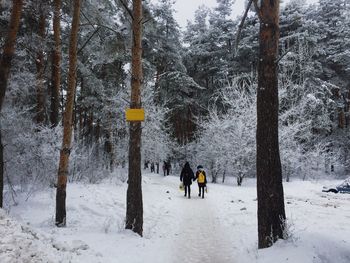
199,92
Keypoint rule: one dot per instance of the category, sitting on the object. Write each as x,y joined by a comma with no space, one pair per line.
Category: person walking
164,167
157,165
186,178
201,178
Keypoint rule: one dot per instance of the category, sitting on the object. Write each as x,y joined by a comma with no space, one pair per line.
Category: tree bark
271,213
5,66
2,164
56,65
40,110
134,208
67,125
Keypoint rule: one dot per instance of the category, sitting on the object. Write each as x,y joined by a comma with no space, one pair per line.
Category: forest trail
202,238
199,235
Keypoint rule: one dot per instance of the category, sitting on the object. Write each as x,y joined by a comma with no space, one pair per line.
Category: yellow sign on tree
135,114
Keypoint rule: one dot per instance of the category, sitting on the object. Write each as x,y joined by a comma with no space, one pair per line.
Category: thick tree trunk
40,110
56,65
1,168
67,125
134,206
5,66
271,213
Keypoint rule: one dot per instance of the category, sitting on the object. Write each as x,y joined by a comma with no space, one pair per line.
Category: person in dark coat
164,167
201,178
186,178
157,165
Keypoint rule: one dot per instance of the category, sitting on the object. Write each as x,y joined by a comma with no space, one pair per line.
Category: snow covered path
202,237
199,234
218,229
191,229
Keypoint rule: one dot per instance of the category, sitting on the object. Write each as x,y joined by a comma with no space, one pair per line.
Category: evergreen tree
67,126
173,87
5,66
134,204
271,213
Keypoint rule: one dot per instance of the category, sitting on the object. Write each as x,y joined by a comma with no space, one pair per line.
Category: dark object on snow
186,177
166,168
344,188
157,165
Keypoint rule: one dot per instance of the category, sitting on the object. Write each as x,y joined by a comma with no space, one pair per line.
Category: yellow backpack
201,177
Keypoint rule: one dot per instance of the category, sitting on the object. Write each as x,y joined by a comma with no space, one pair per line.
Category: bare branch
127,8
258,11
87,19
145,21
241,25
87,41
282,56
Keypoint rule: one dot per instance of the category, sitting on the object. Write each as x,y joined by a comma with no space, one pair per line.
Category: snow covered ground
220,228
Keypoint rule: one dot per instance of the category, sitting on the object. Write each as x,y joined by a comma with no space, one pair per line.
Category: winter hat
199,167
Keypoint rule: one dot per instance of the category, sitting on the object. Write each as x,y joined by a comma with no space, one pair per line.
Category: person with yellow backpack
201,178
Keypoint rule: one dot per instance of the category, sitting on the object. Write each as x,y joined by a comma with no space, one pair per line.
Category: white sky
186,8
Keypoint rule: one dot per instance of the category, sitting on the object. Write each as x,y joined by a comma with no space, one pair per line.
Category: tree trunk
56,65
81,110
67,125
5,66
134,206
109,144
271,213
1,168
40,110
341,118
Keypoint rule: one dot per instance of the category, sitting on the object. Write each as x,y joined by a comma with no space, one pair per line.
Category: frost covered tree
56,65
5,67
156,140
174,88
236,124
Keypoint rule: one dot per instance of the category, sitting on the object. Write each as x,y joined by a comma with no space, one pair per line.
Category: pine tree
271,213
134,205
67,125
173,87
5,66
56,65
40,66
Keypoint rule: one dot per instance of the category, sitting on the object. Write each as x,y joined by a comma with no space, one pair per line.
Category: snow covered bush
226,140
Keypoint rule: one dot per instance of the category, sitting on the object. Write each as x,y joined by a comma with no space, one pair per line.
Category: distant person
152,167
201,178
168,168
157,165
186,178
164,168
